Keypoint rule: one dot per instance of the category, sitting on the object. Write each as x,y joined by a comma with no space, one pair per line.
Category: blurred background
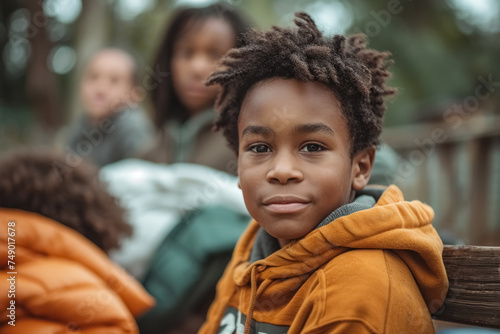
444,123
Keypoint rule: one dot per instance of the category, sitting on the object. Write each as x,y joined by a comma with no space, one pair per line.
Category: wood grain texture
474,294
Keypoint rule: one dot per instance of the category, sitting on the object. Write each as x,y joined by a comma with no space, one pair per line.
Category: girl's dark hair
41,181
166,104
355,74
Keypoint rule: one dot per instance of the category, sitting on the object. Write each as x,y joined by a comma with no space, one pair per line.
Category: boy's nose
284,170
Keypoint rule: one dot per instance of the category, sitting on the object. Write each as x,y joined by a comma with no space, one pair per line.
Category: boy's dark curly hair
354,73
41,181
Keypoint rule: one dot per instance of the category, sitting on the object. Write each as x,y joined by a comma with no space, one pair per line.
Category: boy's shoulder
358,271
366,269
374,286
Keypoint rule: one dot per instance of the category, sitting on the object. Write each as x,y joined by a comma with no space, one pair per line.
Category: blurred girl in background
195,40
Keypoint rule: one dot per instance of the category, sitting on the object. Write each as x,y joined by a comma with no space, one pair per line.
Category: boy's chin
287,229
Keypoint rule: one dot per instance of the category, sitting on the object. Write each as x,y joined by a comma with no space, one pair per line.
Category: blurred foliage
440,48
438,58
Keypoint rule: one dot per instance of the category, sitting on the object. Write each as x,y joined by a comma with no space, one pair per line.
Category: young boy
112,128
323,254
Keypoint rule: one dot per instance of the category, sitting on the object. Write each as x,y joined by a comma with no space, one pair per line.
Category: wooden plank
474,294
493,235
478,194
471,129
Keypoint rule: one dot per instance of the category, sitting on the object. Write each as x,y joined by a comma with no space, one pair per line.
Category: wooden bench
474,294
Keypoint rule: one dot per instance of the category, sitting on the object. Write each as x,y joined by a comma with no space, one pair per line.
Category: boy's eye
312,148
260,148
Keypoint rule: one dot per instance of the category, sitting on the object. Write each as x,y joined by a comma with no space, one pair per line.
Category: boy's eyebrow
257,130
313,127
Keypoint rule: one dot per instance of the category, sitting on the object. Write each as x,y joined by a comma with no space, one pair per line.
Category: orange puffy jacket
54,280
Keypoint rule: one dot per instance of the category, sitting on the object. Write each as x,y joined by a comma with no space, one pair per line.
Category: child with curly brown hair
58,226
325,253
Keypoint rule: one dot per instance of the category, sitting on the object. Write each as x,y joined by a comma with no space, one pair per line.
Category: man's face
294,158
107,83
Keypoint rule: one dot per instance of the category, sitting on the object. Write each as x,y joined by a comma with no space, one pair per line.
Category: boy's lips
285,203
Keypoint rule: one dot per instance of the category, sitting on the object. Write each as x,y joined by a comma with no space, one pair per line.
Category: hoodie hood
392,224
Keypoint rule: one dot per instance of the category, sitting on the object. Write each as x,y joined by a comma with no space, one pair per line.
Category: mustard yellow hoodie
377,270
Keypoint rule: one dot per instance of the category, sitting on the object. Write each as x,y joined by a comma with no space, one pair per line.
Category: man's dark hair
353,72
166,103
34,180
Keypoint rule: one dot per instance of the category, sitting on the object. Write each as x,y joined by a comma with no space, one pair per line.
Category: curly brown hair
356,75
41,181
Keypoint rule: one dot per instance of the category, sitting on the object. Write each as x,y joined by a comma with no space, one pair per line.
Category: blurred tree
437,61
9,82
92,31
41,83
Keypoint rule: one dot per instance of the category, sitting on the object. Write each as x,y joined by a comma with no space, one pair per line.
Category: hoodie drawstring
253,296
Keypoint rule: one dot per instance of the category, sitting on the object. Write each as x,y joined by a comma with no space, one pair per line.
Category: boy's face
294,160
194,57
107,83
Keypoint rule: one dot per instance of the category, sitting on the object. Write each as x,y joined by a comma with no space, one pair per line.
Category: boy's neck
284,242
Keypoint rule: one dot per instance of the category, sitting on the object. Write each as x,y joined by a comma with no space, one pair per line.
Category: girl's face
195,54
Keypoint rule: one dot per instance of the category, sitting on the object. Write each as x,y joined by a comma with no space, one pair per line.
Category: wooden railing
455,168
474,294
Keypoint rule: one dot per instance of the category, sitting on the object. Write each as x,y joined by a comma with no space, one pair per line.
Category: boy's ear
362,164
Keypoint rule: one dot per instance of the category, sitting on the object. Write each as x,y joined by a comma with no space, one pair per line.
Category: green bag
187,265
